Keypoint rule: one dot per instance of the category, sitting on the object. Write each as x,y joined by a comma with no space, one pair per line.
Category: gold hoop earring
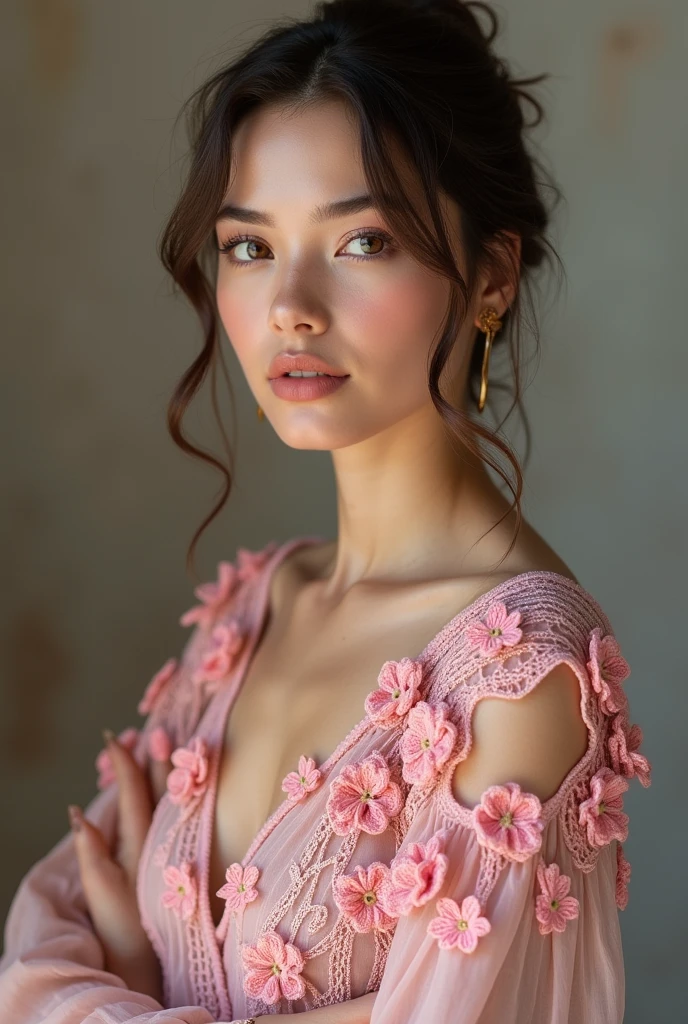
260,413
489,322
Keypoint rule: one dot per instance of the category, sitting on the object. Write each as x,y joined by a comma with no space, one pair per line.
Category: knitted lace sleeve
507,911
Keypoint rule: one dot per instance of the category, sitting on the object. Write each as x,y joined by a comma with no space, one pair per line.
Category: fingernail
108,736
75,817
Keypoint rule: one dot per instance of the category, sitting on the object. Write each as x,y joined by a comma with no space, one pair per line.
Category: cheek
239,316
393,326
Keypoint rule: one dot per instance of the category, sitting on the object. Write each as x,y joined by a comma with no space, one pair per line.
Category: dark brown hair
425,74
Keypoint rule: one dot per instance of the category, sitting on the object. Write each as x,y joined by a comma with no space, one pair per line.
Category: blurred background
98,505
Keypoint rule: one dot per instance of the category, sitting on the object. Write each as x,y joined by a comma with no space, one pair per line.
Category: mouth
304,389
310,376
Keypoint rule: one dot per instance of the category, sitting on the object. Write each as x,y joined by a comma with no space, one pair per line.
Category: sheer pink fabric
370,876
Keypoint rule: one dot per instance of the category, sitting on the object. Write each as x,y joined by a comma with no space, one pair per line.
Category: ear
500,278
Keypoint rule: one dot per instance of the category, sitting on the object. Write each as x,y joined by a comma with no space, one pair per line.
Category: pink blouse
370,876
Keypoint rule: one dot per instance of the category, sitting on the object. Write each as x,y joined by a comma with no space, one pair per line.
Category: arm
534,740
54,968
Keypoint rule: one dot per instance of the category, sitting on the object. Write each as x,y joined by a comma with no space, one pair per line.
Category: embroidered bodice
370,876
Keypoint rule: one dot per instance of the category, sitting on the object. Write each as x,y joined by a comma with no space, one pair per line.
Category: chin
318,438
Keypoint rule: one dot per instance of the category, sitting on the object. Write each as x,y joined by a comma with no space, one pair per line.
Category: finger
135,804
110,900
102,879
160,750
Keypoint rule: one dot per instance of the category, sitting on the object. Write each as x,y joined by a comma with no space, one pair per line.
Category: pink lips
304,389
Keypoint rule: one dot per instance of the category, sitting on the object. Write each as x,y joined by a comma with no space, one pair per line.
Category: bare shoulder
534,740
533,553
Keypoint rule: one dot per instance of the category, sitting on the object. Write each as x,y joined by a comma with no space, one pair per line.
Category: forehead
282,154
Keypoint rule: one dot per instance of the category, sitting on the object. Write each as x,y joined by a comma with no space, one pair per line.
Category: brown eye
252,245
368,242
229,247
375,244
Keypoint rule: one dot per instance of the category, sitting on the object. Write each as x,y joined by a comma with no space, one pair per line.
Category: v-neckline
221,715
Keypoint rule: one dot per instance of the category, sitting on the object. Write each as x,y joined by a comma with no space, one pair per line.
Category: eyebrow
321,213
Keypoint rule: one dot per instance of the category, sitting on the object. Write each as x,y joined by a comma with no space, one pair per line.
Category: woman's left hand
108,877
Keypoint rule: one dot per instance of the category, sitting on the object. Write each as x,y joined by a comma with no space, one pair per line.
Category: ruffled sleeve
510,957
52,968
507,910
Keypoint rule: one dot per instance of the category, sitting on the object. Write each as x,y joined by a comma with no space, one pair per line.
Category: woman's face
338,287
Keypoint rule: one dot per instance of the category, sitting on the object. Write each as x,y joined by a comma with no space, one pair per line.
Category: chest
303,692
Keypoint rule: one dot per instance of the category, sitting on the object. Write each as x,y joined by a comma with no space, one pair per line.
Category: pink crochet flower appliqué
508,821
227,640
189,777
156,686
498,629
106,773
298,784
624,745
623,877
554,907
427,742
602,813
213,596
272,969
360,897
398,690
416,875
364,796
181,895
607,670
239,888
457,926
251,562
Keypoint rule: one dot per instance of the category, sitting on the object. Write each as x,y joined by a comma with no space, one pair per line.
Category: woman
384,782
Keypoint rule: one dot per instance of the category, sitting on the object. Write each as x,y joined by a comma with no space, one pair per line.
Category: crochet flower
159,744
607,671
623,877
508,821
398,690
624,743
458,926
358,896
239,888
251,562
498,629
181,896
364,796
415,876
427,741
602,812
189,777
305,780
106,773
272,969
226,641
213,596
156,686
554,907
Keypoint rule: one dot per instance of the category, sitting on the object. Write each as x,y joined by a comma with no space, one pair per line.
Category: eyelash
227,246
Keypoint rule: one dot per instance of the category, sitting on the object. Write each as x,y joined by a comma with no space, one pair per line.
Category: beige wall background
98,505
